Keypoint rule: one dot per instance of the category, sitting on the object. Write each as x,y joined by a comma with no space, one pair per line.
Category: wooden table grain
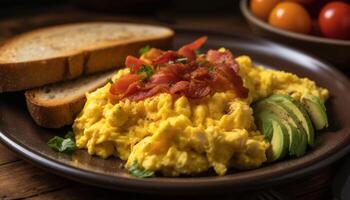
21,180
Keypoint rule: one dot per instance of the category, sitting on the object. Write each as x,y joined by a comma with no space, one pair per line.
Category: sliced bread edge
31,74
62,112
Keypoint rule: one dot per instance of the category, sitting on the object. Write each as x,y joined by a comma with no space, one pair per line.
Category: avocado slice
264,123
279,142
266,109
297,111
316,110
265,126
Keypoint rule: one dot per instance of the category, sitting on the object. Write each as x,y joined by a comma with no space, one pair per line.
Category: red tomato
262,8
290,16
334,20
133,63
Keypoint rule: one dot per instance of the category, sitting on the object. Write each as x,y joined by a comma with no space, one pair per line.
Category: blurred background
17,16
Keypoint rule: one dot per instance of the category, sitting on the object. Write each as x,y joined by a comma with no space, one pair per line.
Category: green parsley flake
201,63
63,145
198,52
138,171
109,81
182,60
211,68
146,70
144,50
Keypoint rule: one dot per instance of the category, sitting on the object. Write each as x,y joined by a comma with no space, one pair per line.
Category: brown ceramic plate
19,133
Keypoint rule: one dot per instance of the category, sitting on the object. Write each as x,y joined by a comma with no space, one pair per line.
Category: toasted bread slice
56,105
66,52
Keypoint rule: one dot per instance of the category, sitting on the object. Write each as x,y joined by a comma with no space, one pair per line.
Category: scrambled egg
186,136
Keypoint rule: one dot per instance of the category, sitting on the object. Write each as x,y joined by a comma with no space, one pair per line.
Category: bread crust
54,116
24,75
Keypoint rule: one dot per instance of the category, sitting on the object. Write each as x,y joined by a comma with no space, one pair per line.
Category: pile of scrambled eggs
186,136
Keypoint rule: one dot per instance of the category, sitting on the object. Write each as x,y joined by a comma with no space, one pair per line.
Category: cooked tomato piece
133,63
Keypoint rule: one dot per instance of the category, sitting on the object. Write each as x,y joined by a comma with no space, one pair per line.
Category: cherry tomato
304,2
290,16
262,8
334,20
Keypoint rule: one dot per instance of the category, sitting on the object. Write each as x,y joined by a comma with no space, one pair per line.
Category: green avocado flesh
316,110
279,142
290,118
297,140
298,112
267,127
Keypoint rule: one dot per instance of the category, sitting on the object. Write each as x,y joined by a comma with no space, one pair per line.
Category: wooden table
21,180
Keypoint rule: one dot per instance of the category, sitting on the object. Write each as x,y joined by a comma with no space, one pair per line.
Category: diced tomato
122,84
133,63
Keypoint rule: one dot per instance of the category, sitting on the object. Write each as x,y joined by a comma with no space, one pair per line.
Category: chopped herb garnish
144,50
201,63
198,52
146,70
63,145
182,60
138,171
109,81
211,68
70,135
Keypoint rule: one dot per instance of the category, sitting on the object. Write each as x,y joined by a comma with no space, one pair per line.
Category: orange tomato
290,16
262,8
